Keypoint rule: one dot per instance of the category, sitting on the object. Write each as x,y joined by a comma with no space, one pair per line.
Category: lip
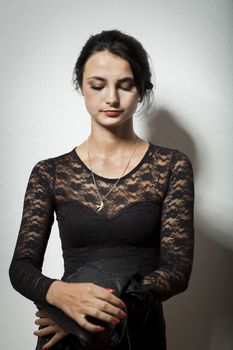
112,112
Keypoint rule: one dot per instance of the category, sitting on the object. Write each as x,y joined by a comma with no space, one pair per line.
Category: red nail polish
111,290
115,320
122,314
101,328
44,348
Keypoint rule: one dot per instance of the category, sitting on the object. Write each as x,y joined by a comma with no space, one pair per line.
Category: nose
112,97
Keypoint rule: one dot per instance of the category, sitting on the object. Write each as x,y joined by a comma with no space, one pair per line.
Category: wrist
54,292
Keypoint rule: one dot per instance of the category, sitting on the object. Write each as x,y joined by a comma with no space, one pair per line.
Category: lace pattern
163,176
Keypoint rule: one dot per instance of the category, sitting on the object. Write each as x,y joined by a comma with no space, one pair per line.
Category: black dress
147,218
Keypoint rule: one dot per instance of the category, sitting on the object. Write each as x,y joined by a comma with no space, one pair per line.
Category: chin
114,121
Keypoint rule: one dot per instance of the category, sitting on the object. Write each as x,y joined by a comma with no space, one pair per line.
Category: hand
79,300
49,327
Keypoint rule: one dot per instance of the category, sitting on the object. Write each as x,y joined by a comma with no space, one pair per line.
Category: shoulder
171,154
171,157
48,165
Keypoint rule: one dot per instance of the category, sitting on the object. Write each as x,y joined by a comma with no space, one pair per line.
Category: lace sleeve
177,232
37,220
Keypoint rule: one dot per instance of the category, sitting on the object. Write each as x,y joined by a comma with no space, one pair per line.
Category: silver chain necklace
101,205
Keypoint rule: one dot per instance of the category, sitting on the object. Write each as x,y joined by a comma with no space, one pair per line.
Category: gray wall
190,45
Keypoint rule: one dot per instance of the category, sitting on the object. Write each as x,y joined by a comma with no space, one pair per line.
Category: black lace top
147,218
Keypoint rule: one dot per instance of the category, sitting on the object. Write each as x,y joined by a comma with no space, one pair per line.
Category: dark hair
126,47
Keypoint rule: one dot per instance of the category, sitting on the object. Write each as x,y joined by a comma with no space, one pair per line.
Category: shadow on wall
202,317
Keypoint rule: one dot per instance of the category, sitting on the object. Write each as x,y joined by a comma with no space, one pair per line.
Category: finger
55,339
83,322
44,321
103,316
45,331
102,309
104,294
42,313
108,308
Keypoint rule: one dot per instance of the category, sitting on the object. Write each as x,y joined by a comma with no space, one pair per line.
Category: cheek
132,102
134,107
91,101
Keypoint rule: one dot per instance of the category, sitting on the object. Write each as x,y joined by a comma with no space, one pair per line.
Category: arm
75,299
177,235
177,232
37,220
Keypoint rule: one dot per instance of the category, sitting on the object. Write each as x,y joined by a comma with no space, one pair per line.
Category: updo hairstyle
124,46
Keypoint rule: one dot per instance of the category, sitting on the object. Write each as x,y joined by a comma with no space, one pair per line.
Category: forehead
107,65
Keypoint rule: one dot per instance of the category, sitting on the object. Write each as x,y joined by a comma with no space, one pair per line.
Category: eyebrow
102,79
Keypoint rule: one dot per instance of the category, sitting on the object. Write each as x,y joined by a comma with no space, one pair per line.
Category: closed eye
126,84
123,87
127,87
96,87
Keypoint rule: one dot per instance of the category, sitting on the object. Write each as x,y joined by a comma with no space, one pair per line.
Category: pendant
99,207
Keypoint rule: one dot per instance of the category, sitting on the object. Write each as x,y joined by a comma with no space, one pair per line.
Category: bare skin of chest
114,165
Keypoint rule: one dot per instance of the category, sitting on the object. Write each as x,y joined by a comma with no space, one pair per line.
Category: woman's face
109,89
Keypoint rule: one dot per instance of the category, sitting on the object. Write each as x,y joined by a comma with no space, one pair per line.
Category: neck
111,141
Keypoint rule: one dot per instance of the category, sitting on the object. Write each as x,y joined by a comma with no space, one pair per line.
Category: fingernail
111,290
100,328
123,305
122,314
115,320
44,348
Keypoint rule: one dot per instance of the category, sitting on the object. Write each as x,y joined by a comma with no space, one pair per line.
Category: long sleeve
37,219
177,232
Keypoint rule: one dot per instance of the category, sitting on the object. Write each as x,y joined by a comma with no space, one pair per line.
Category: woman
114,195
